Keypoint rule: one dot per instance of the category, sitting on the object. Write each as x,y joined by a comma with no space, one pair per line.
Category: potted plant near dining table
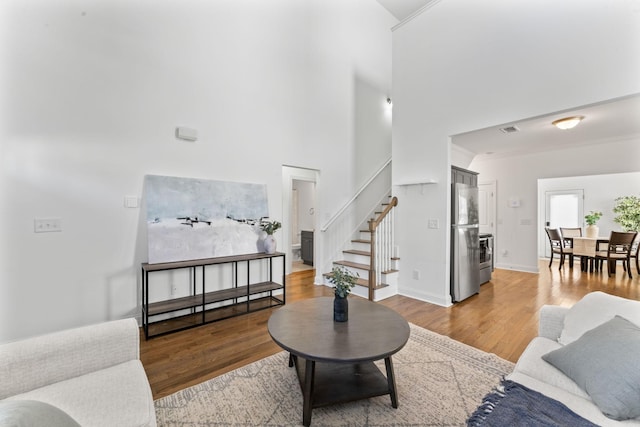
627,210
592,229
343,281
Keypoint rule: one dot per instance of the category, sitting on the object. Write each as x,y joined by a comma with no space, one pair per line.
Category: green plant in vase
343,281
592,218
270,227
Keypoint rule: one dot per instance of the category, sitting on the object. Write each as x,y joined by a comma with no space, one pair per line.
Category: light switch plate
130,202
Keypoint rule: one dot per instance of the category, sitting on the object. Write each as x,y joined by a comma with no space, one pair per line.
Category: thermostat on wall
187,134
514,203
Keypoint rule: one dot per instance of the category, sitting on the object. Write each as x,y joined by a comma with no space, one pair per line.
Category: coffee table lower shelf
331,383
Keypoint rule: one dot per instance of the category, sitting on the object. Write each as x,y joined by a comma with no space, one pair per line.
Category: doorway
299,217
302,224
563,208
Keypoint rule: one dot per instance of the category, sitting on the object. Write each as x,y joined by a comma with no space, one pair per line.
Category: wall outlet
47,225
416,274
433,223
505,253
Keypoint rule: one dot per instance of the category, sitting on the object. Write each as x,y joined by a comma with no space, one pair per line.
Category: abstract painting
189,219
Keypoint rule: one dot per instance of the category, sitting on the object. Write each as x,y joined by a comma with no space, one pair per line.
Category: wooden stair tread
365,284
352,264
361,241
362,282
356,252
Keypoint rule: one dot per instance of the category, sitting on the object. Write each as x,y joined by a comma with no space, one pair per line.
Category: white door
563,208
487,207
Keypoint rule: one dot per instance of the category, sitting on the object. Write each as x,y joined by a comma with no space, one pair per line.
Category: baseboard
427,297
516,267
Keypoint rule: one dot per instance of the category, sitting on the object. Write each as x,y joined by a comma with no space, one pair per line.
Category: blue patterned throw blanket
513,404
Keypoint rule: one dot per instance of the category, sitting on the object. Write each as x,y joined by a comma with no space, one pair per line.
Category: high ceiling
602,122
612,120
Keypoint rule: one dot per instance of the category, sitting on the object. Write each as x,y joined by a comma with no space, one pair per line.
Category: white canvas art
190,219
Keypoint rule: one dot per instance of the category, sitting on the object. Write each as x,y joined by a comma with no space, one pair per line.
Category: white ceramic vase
270,244
591,231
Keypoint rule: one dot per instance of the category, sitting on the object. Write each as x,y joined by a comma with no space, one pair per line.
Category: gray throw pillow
605,362
32,413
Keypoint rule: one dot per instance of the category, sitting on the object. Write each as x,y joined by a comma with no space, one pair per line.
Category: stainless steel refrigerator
465,245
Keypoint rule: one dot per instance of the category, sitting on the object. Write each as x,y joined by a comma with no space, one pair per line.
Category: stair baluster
381,230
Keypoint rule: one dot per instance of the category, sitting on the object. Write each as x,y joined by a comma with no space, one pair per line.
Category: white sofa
92,373
559,327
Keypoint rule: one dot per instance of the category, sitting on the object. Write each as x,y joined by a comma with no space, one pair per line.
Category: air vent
509,129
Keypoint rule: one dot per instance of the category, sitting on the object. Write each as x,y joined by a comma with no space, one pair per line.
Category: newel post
372,261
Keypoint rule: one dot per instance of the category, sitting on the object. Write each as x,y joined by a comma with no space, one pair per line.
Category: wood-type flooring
501,319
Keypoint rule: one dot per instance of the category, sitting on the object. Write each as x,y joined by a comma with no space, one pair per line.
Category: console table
230,293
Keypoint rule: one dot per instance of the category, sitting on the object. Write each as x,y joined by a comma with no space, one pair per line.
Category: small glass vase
340,309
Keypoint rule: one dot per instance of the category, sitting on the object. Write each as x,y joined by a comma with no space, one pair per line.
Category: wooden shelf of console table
199,304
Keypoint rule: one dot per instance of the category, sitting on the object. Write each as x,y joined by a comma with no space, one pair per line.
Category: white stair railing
382,243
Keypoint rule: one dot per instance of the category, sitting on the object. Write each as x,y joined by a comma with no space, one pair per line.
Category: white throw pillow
593,310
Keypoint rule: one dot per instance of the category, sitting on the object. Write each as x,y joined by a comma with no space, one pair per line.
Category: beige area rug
440,382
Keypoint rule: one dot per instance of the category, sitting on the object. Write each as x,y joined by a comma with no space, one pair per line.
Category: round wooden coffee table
334,360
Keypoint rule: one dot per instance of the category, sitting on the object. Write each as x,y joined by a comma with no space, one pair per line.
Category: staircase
370,256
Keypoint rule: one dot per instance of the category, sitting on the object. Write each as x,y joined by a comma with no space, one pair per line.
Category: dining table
585,248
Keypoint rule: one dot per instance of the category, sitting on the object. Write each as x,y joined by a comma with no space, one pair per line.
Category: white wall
464,65
523,177
92,92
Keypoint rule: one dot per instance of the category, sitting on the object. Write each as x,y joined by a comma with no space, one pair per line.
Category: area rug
440,382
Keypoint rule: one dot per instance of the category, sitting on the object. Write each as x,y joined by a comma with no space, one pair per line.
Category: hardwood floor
501,319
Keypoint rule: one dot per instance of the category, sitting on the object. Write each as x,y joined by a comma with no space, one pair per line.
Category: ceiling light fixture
567,122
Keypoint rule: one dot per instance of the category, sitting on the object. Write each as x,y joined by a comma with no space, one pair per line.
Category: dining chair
557,247
568,233
618,249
